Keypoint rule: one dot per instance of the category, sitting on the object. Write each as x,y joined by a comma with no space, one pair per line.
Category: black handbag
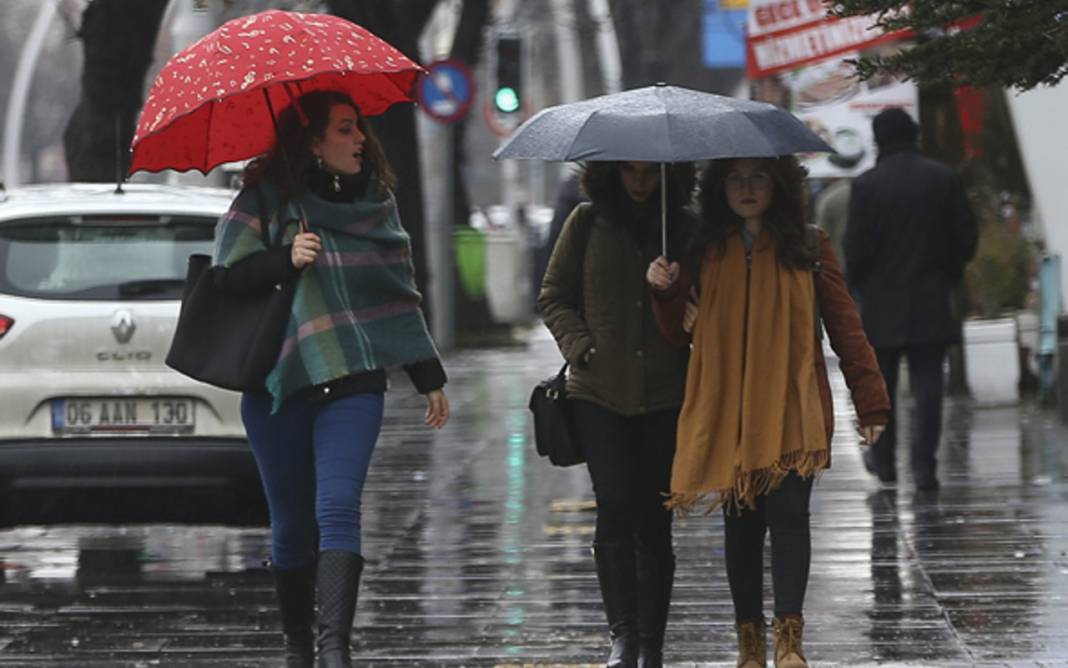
227,340
554,428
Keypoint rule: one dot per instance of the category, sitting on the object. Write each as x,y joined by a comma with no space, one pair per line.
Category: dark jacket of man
910,234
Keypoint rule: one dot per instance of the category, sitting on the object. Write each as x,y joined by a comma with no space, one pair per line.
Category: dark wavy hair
602,183
295,133
784,220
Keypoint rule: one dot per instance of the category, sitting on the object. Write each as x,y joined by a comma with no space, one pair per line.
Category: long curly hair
784,219
602,183
298,124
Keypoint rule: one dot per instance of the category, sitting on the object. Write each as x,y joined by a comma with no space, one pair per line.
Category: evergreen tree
1012,43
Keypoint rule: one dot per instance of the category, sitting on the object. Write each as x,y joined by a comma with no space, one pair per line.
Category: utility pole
192,20
20,92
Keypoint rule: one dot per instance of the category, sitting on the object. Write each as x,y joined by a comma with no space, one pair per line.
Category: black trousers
926,384
629,460
783,511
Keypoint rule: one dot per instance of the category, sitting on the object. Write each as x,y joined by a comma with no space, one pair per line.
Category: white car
90,287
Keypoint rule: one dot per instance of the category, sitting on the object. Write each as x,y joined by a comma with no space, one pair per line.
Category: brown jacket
844,328
599,300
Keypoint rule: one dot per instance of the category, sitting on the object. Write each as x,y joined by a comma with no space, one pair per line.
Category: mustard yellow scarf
752,410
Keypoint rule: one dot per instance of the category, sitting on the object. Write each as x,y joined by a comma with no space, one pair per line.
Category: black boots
655,575
295,588
338,581
616,575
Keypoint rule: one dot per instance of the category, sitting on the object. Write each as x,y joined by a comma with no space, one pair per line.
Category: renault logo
122,326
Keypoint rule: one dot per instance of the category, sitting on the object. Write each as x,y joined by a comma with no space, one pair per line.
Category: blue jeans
313,460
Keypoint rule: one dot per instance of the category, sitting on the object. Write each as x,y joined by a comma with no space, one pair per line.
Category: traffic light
508,95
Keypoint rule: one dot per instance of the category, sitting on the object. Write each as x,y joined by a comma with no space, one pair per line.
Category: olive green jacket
599,301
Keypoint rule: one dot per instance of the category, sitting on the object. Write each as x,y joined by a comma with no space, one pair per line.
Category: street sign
446,91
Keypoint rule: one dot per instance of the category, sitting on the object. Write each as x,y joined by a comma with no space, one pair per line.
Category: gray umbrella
660,124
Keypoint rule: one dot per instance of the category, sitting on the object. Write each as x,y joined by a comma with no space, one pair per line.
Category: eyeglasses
754,180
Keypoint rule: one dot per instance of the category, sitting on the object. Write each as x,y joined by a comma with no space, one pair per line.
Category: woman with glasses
756,424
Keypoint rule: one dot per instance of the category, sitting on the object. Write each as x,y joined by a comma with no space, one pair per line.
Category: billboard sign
785,34
797,60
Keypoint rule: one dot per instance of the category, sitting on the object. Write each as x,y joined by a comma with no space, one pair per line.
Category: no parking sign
446,91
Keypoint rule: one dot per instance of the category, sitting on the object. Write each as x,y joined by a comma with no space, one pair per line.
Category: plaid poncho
356,308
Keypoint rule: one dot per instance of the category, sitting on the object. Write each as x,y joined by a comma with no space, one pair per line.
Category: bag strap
813,242
265,216
265,220
585,230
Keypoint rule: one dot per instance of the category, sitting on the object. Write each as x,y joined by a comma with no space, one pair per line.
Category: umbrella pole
663,208
285,161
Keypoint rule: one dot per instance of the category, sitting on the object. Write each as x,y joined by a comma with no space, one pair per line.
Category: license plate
123,415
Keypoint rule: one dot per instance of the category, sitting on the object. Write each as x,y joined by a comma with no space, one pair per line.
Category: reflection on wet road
478,554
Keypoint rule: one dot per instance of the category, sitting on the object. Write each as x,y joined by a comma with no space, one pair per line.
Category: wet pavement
478,555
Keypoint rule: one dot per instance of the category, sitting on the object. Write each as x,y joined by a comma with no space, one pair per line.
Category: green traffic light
506,99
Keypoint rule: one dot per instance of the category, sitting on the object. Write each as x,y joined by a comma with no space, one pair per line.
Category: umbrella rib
671,144
211,119
577,133
762,135
407,94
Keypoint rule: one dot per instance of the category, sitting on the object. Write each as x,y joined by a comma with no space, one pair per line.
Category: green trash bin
470,246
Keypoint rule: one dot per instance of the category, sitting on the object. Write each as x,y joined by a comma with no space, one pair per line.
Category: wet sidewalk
478,555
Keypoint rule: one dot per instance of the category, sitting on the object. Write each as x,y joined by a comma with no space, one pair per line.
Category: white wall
1039,119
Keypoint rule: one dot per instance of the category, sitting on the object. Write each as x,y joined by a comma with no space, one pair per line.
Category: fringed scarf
356,308
752,411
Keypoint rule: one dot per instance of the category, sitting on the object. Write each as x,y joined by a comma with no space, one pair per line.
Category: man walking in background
832,211
909,235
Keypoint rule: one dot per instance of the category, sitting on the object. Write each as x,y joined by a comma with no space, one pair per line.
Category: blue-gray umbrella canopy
660,124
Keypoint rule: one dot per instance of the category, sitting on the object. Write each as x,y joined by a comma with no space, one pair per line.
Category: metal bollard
1049,291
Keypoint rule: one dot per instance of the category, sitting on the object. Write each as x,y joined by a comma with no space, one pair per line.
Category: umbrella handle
303,221
282,151
663,209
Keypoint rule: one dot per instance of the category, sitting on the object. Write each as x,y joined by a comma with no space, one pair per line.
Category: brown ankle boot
752,644
788,652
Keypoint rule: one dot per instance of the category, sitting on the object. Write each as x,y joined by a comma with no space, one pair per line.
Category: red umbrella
215,101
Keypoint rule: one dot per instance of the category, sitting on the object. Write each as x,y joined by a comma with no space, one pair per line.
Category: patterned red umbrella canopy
215,101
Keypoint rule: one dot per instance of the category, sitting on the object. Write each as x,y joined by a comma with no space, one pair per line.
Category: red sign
785,34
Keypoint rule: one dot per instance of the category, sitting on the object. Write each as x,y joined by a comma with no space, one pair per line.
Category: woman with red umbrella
355,309
355,312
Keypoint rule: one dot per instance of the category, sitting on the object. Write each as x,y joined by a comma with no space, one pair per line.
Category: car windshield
100,257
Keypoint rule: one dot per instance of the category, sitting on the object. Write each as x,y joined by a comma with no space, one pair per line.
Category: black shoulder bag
554,428
226,340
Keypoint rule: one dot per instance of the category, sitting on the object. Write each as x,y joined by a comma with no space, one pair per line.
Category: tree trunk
661,41
118,37
400,24
466,47
473,319
941,138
